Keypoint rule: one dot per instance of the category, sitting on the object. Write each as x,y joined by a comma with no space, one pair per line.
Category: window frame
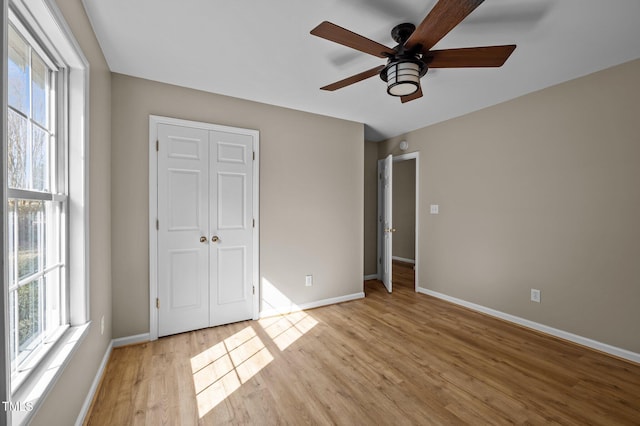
46,23
56,195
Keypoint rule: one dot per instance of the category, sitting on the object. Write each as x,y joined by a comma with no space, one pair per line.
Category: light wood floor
401,358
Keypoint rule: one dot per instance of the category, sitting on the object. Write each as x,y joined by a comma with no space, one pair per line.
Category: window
45,212
37,201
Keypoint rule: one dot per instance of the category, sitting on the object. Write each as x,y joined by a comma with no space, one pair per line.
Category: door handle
390,230
203,239
215,239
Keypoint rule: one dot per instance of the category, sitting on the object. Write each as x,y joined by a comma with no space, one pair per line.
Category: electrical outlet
308,280
434,209
535,295
102,325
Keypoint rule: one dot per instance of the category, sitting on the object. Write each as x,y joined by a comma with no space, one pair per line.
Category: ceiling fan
412,57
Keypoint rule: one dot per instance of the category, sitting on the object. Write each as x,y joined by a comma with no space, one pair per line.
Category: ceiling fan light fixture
403,76
408,62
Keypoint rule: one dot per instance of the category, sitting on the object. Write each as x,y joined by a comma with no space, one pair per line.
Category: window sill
34,357
33,389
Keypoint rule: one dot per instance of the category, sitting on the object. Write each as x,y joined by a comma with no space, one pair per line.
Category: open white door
385,225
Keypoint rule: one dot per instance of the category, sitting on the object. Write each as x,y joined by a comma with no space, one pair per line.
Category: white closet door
205,237
183,214
231,219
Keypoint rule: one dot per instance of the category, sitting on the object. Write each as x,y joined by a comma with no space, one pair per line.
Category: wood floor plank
401,358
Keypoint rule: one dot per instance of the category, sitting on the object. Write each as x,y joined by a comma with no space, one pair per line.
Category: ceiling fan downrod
401,33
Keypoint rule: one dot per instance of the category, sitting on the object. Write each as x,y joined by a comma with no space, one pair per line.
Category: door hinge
157,224
254,156
253,289
157,145
157,303
380,260
254,223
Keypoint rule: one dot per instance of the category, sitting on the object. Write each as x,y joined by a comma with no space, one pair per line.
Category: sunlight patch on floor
288,322
223,368
286,329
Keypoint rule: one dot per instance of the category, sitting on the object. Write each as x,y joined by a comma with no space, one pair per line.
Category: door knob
203,239
390,230
215,239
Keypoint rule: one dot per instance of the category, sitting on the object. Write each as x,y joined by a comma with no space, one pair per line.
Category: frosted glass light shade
403,78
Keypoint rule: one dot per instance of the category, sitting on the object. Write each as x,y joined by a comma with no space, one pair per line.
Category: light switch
435,208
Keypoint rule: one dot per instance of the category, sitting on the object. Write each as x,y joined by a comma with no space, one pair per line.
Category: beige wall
311,197
404,209
540,192
370,207
63,404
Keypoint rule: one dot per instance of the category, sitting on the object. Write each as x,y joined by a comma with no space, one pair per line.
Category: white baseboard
94,386
282,310
115,343
404,259
371,277
584,341
131,340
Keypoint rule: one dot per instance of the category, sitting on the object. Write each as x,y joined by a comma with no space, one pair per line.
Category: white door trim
154,120
405,157
396,158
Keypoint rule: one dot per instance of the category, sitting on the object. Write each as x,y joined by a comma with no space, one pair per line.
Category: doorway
398,216
203,234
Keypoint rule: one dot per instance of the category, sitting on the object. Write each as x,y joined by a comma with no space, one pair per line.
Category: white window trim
5,372
48,24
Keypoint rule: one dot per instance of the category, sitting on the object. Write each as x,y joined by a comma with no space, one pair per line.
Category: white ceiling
262,51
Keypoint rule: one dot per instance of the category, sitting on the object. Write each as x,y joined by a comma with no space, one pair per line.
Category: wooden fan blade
469,57
416,95
353,79
444,16
337,34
